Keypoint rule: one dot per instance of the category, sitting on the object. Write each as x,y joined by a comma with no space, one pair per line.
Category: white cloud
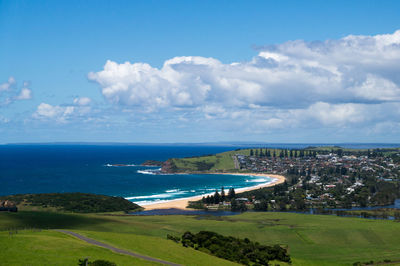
293,74
334,83
64,113
9,92
7,85
25,94
333,114
82,101
45,110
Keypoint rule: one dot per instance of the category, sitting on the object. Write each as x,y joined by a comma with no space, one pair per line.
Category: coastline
182,203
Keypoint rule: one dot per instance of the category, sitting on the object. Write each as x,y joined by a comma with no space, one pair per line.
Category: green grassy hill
72,202
311,239
220,162
46,247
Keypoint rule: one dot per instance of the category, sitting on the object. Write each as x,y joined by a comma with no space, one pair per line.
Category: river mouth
364,212
174,211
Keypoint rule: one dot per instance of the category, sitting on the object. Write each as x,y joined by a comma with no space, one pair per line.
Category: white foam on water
158,196
172,190
149,171
257,180
120,165
171,195
146,172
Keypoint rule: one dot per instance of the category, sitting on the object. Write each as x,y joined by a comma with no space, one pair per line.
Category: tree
256,153
285,185
86,262
234,205
217,197
262,206
83,262
222,194
340,152
102,263
231,193
209,200
251,152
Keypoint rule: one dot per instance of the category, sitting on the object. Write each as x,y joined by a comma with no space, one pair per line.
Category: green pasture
29,247
311,239
219,162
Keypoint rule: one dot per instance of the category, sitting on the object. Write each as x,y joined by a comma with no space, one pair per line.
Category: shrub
243,251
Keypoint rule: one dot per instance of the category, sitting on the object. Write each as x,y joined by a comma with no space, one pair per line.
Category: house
8,205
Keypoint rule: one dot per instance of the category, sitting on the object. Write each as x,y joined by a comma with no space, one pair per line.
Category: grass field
312,239
218,162
52,248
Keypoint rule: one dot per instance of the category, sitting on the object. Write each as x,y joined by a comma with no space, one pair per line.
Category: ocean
87,168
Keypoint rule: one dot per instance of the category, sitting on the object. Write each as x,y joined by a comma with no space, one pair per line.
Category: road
117,250
235,162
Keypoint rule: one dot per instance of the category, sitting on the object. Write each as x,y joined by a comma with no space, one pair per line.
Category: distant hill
212,163
72,202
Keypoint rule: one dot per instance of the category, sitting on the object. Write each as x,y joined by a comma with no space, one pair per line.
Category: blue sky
199,71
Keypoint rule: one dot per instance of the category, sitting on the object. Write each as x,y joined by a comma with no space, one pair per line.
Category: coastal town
324,178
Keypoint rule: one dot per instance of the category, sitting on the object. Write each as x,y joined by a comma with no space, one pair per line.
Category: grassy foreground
312,239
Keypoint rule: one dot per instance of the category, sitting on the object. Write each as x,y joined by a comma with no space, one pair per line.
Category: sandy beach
182,203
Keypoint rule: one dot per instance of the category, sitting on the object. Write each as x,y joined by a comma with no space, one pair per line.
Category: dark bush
243,251
76,202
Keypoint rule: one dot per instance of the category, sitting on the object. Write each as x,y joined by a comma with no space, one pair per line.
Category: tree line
282,153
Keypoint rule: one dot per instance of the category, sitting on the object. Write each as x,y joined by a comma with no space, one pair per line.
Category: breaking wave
149,171
258,180
159,196
120,165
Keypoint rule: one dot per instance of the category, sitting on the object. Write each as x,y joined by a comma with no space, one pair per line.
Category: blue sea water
86,168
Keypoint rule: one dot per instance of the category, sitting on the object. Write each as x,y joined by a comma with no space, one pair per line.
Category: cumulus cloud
332,82
82,101
63,113
25,94
7,85
9,92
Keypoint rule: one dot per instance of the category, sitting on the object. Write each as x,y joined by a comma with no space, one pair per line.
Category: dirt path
117,250
235,161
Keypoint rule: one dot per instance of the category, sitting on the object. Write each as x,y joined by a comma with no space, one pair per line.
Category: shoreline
183,202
